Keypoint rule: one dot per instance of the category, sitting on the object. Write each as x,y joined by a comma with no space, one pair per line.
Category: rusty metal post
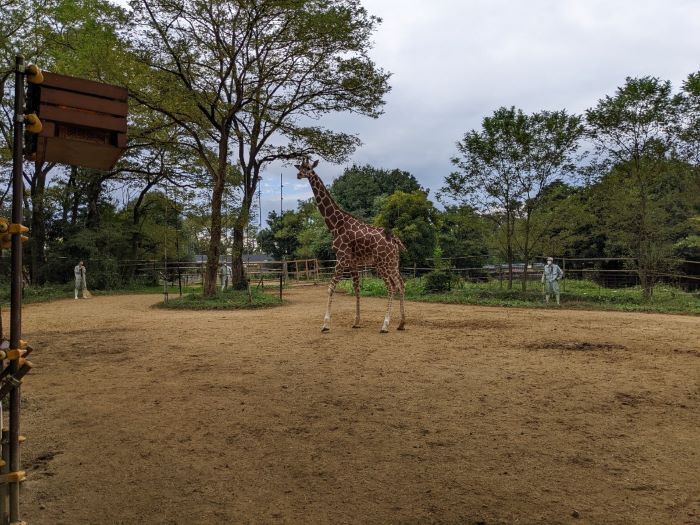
16,281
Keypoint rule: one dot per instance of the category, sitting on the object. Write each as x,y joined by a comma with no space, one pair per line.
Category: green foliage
228,300
361,189
569,224
585,295
314,239
238,78
438,281
462,236
53,292
413,219
503,169
634,134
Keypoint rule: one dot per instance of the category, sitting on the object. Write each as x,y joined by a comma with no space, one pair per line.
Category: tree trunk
76,193
94,192
214,249
510,231
238,278
38,226
66,199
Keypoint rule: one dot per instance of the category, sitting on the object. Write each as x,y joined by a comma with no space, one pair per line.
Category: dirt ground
136,415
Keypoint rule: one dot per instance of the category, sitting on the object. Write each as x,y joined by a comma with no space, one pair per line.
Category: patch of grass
148,289
228,300
53,292
578,294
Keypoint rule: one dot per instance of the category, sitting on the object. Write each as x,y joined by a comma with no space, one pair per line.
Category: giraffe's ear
314,164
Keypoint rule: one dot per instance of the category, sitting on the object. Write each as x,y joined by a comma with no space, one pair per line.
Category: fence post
283,270
563,283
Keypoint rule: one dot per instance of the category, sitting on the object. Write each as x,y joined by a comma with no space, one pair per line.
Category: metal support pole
16,280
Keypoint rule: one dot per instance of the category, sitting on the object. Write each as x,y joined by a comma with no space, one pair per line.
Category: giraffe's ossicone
357,245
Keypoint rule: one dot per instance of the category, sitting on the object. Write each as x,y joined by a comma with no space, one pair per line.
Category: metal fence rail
612,272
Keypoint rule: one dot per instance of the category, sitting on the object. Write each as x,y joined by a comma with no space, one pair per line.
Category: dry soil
472,415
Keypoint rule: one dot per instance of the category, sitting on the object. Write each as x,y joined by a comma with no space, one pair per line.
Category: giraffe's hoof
325,329
401,327
356,326
384,331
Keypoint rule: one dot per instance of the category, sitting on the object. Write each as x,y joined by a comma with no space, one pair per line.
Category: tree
240,78
688,246
300,233
280,238
194,76
311,59
688,122
360,189
73,37
504,167
634,135
553,138
414,220
315,241
462,236
567,215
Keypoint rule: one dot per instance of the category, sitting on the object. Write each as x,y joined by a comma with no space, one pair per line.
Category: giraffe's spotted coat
357,244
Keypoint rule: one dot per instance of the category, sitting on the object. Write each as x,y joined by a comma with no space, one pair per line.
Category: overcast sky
455,61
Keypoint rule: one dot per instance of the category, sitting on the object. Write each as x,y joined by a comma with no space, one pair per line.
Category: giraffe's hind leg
356,287
337,275
400,289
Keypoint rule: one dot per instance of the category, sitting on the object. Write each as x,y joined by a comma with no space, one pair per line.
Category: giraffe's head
305,169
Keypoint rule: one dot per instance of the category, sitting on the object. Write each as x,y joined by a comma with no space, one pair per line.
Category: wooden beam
70,99
89,87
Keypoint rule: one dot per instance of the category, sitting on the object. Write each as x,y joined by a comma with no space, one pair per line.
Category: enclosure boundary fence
609,272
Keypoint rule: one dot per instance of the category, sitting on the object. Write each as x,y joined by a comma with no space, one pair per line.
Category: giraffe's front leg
356,287
387,316
331,289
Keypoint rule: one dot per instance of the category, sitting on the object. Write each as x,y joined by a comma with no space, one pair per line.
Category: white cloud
456,61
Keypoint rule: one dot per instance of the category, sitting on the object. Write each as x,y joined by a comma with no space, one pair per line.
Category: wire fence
607,272
611,272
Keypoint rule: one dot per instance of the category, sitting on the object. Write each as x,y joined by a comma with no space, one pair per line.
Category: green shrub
228,300
438,281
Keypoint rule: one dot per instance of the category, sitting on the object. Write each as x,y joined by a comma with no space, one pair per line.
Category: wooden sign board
84,122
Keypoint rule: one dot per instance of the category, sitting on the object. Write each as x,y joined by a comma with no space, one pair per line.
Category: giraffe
356,244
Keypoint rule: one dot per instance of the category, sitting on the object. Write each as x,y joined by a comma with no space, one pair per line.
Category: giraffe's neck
331,212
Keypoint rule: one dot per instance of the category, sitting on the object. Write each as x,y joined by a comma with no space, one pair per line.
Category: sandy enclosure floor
472,415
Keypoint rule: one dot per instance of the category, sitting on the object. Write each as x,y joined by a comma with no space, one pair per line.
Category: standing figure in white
225,276
80,283
550,277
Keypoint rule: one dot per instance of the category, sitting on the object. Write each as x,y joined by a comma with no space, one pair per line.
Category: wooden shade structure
84,122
